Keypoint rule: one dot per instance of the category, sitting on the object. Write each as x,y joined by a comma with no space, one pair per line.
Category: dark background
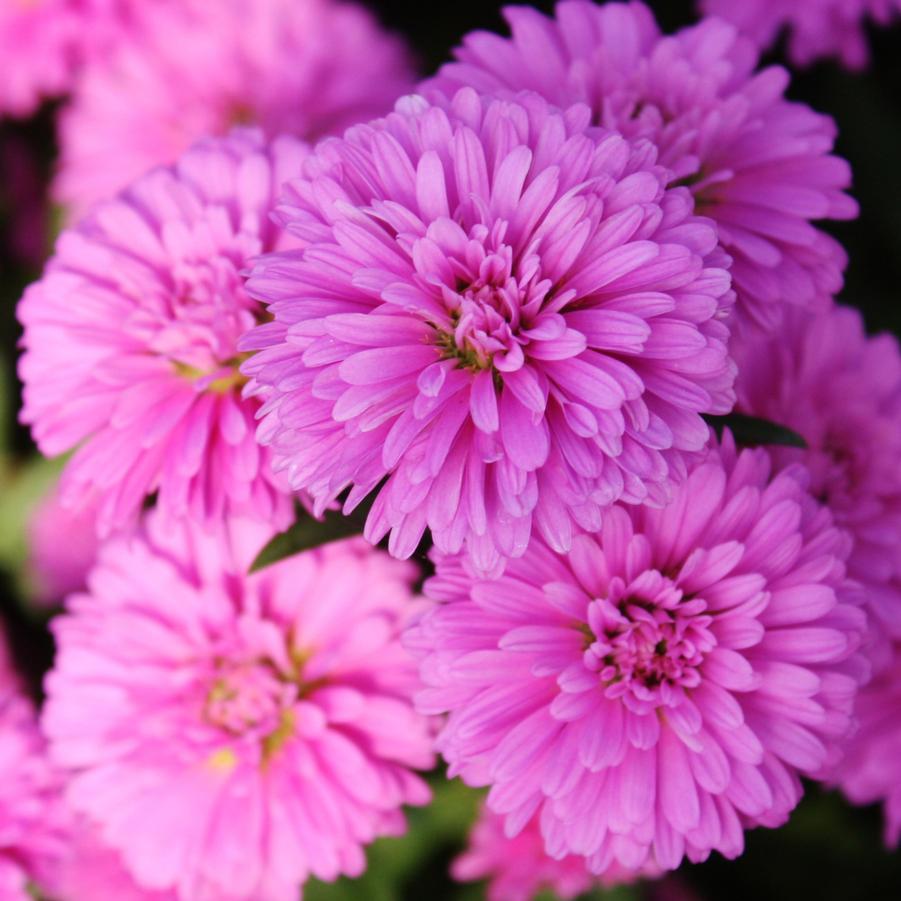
828,850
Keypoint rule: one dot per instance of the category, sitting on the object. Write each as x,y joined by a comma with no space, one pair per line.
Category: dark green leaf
750,431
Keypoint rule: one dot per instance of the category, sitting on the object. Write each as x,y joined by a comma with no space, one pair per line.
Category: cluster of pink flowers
502,319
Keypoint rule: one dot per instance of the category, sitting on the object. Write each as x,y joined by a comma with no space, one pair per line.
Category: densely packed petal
231,735
196,68
841,391
816,28
757,164
660,688
519,868
504,312
131,339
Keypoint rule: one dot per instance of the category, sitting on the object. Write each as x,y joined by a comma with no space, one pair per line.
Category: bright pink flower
518,868
131,339
757,164
232,735
299,67
816,28
36,46
662,686
841,391
508,315
62,545
871,767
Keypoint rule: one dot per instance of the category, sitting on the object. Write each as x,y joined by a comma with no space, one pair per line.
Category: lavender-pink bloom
131,339
816,28
509,316
841,391
231,735
662,686
195,68
756,163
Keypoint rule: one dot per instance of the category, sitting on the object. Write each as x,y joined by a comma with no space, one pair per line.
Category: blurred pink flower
507,315
757,164
661,687
62,545
131,339
232,735
841,391
518,868
192,69
816,28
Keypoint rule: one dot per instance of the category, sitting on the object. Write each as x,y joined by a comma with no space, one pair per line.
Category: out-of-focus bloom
131,339
32,822
231,735
299,67
36,46
662,686
816,28
62,545
841,391
518,868
507,315
870,770
756,163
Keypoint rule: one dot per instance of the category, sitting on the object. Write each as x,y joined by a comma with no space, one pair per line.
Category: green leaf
750,431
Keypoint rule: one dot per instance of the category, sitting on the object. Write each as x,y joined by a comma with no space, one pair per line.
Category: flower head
841,391
191,69
757,164
131,339
231,735
518,868
662,686
508,316
816,28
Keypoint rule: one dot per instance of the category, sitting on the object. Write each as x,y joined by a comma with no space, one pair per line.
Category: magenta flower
507,315
518,868
870,770
816,28
231,735
757,164
192,69
824,378
131,339
662,686
38,52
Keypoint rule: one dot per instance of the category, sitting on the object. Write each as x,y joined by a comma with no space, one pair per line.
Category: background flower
506,314
231,735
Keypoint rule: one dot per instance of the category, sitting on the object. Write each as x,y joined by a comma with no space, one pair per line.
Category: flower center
647,646
250,699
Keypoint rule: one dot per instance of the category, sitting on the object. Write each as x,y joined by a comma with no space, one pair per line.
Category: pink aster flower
518,868
757,164
816,28
841,391
870,770
231,735
662,686
300,67
131,339
62,545
36,46
507,315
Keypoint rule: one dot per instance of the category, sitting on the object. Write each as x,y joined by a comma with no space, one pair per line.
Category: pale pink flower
662,687
231,735
757,164
816,28
131,339
506,314
196,68
841,391
518,868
